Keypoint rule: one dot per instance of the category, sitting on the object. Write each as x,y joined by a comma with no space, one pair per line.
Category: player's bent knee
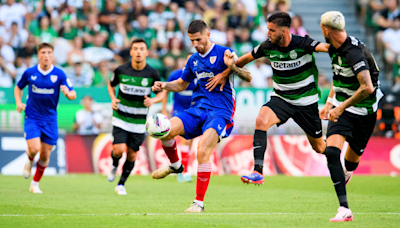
203,156
119,149
262,123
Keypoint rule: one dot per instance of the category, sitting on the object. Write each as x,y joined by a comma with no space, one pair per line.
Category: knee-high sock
203,178
259,147
39,172
115,159
185,156
350,166
171,151
337,174
126,171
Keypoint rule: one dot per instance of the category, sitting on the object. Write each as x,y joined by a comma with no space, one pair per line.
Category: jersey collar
208,52
45,72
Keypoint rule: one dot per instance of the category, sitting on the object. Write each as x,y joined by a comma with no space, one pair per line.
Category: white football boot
120,190
34,188
112,174
343,215
27,169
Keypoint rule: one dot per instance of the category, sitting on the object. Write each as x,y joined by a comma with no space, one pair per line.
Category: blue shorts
46,131
177,110
197,120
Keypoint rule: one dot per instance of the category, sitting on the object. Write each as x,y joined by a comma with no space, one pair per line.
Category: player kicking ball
130,109
296,91
210,113
181,102
45,82
351,106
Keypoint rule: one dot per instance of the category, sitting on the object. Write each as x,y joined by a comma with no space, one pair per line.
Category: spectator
94,55
244,45
158,17
13,12
7,73
55,6
261,73
68,31
218,34
238,18
297,26
16,37
323,81
170,31
119,40
45,33
87,122
282,6
92,28
79,76
136,10
109,15
391,40
76,54
175,49
26,56
212,14
6,51
146,33
82,14
102,75
190,13
384,20
251,7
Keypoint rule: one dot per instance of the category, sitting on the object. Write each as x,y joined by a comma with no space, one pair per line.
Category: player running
135,79
351,106
45,82
296,91
181,102
210,113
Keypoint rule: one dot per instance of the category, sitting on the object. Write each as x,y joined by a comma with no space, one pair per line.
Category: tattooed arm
243,73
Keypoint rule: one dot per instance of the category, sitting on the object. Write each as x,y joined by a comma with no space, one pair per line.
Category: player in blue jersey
181,102
210,113
45,82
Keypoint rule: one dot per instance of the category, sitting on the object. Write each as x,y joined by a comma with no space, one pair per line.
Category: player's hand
64,89
229,58
158,86
148,101
20,107
219,79
324,113
164,112
335,113
114,103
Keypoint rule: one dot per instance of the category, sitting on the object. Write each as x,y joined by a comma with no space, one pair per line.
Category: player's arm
111,92
175,86
150,101
243,73
221,77
322,47
164,103
18,99
323,114
366,88
69,94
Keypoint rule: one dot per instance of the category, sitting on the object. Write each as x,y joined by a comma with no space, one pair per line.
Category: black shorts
132,140
307,117
356,128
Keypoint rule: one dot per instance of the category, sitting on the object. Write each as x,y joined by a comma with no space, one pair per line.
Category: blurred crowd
92,37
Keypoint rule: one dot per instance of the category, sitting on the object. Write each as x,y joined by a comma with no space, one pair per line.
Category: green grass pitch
90,201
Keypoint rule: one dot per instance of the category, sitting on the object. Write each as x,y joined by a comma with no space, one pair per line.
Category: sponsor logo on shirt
358,65
256,48
33,77
53,78
125,79
42,90
281,65
195,63
204,75
314,43
354,41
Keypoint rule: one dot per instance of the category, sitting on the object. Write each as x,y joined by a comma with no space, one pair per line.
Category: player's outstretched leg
113,169
265,119
28,166
41,165
351,161
126,171
33,149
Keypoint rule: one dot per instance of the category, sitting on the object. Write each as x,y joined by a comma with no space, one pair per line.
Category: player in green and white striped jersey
351,106
295,81
135,80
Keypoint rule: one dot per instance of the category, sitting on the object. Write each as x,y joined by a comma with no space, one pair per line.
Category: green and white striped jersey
347,61
133,86
295,75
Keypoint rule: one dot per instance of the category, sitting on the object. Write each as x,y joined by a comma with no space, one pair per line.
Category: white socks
200,203
176,165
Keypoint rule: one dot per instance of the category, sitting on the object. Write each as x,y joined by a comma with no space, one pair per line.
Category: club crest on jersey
53,78
212,59
33,77
145,82
339,60
293,54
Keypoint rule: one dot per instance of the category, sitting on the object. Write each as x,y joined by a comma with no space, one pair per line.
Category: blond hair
333,19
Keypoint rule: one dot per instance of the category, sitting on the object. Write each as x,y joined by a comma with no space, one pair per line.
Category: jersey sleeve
356,60
114,81
23,81
310,44
258,51
65,81
187,74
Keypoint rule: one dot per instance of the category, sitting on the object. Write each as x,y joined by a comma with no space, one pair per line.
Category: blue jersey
182,99
204,67
44,92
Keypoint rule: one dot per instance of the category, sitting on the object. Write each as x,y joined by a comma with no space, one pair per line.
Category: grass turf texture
90,201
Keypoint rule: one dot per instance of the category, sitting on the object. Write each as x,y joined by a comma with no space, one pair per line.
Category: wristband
329,100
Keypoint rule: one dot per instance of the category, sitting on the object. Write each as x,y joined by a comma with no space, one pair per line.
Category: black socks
350,166
126,171
115,160
259,147
337,174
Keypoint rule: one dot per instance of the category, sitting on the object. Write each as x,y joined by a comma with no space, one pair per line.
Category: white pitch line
191,214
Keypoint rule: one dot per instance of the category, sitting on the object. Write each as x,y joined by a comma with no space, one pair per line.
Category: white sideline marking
165,214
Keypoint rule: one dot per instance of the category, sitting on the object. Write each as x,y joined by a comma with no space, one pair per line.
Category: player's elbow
71,95
368,89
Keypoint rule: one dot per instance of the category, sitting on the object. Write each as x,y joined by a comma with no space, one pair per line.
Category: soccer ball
158,126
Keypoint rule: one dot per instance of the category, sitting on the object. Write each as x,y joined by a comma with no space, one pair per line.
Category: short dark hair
281,19
44,45
139,40
197,26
